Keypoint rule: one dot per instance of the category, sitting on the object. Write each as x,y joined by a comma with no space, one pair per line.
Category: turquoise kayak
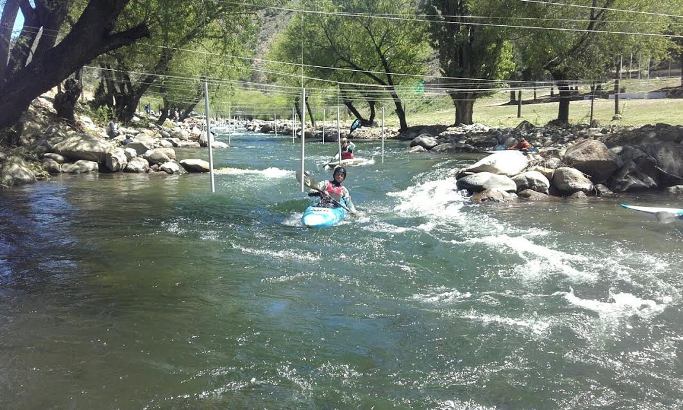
672,212
319,217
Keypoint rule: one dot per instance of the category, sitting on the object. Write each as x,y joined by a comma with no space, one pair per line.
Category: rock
635,175
531,195
547,172
165,143
159,155
602,190
638,170
189,144
417,148
195,165
15,171
676,189
504,163
578,195
116,160
219,144
593,158
140,147
56,157
525,126
83,147
485,180
669,159
569,180
80,167
493,195
137,165
130,153
170,167
533,180
426,141
52,166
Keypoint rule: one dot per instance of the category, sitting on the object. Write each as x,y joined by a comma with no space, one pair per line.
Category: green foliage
363,52
101,115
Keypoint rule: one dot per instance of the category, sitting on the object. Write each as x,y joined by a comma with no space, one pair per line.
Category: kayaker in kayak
347,149
334,190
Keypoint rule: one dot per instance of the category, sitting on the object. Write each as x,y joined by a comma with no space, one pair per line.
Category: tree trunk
400,111
565,98
297,99
310,113
371,105
65,102
464,108
89,37
352,109
513,97
9,15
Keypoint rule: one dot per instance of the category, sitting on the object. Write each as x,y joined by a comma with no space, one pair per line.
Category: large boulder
570,180
116,160
195,165
669,159
503,163
15,171
591,157
52,166
493,195
533,180
83,147
638,170
158,156
426,141
80,167
170,167
137,165
531,195
484,181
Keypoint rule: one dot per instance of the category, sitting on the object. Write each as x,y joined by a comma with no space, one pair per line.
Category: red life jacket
347,155
335,191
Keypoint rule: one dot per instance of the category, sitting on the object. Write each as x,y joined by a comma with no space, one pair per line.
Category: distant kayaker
334,190
347,149
522,145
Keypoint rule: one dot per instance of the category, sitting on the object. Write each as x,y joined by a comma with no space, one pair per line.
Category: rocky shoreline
570,162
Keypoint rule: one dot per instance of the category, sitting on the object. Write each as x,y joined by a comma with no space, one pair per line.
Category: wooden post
519,104
592,102
617,90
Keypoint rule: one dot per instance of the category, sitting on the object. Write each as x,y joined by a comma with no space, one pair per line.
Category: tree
471,56
354,44
179,30
41,59
589,44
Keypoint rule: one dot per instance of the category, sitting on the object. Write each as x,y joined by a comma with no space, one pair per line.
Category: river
147,291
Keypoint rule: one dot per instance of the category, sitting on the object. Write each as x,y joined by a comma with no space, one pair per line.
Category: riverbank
575,162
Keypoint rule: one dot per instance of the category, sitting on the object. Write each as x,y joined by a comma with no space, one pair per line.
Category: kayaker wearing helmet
333,189
347,149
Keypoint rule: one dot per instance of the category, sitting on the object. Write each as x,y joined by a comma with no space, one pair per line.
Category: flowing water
146,291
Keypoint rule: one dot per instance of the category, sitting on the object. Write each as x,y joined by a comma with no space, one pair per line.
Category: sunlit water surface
146,291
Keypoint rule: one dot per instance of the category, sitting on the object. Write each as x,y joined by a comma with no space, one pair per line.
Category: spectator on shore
522,145
112,129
